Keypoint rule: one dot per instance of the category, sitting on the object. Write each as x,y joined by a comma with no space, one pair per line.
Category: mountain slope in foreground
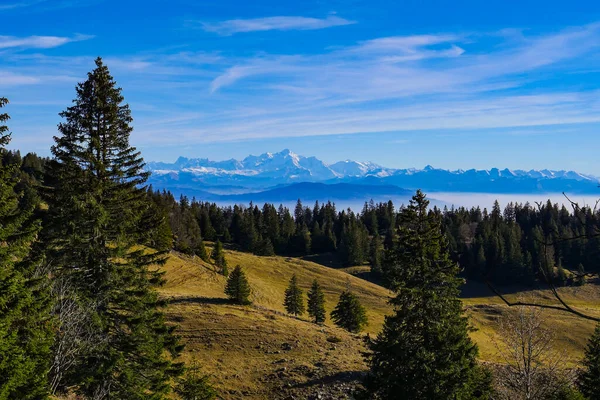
259,352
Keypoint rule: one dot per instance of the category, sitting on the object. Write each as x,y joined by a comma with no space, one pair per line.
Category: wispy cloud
44,5
39,42
280,23
20,4
438,81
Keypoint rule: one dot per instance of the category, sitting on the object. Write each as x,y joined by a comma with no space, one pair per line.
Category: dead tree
532,368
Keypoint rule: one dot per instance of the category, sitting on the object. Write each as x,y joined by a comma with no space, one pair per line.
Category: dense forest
81,235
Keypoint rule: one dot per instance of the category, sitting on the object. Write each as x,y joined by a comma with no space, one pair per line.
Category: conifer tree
218,256
97,219
294,303
193,385
237,288
349,313
423,351
25,337
589,378
376,254
316,303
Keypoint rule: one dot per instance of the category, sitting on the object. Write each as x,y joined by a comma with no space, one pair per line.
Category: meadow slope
260,352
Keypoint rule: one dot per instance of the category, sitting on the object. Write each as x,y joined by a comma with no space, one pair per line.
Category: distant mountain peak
286,167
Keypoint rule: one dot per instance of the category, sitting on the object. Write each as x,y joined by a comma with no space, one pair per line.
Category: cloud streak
438,81
39,42
279,23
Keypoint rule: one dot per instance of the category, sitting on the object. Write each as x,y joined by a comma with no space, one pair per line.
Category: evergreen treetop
294,303
349,313
237,288
316,303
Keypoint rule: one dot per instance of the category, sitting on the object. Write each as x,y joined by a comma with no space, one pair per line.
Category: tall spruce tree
97,219
237,288
316,303
589,378
25,335
294,303
423,351
349,313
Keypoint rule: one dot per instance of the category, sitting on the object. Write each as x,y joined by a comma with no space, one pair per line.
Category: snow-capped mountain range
204,177
285,165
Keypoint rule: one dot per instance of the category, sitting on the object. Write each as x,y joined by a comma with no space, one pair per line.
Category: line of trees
503,246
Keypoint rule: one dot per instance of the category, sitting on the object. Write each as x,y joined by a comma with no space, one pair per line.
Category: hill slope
259,352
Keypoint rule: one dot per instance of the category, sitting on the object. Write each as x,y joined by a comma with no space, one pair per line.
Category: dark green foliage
98,216
354,243
589,378
349,313
580,279
376,254
25,334
567,392
423,351
316,303
238,288
293,302
218,257
193,385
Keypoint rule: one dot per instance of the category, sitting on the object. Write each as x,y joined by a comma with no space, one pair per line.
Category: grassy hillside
260,352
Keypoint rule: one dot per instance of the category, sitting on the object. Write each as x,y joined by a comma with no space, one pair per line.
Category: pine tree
97,219
424,350
237,288
218,256
316,303
25,335
589,378
294,303
376,254
349,313
193,385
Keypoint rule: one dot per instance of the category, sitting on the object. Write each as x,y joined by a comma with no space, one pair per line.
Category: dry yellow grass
260,352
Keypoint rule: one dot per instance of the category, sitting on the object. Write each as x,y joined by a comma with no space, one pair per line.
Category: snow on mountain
354,168
286,167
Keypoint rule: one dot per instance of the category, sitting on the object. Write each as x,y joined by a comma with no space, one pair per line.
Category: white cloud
38,42
21,4
280,23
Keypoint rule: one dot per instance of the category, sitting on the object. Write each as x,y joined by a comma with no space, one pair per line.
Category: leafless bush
533,368
75,334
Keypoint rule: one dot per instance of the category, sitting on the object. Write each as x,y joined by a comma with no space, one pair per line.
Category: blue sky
454,84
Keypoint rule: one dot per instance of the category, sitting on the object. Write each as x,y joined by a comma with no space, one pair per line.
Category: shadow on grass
330,260
199,300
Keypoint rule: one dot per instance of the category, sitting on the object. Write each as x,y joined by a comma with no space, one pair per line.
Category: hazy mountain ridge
269,170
